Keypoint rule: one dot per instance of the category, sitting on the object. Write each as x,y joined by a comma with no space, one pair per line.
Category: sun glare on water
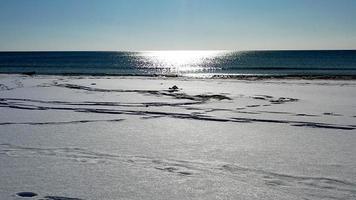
180,61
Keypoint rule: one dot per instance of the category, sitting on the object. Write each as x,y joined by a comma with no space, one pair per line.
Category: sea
329,63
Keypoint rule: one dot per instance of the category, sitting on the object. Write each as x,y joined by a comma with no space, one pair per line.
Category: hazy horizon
126,25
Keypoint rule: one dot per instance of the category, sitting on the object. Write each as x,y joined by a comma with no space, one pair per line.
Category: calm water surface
190,63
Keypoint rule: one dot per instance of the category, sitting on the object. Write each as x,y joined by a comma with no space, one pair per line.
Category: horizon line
178,50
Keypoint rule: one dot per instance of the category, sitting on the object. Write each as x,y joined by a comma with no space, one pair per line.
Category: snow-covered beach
83,137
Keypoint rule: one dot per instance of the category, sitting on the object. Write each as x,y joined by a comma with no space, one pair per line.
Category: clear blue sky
177,24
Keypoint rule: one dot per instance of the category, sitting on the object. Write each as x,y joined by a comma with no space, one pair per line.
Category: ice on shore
138,138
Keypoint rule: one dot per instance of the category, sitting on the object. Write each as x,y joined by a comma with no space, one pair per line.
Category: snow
65,137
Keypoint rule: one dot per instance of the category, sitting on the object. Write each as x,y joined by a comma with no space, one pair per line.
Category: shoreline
247,77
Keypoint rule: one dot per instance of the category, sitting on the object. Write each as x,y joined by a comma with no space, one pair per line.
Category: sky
129,25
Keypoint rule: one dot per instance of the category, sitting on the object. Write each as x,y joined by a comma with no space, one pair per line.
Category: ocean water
182,63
